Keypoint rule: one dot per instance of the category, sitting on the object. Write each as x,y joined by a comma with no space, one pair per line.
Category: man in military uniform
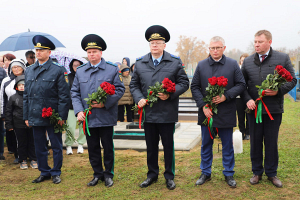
104,116
159,119
45,86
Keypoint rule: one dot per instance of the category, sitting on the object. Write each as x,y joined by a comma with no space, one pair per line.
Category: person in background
126,101
1,61
14,122
16,68
118,64
241,107
126,61
2,130
131,69
7,60
264,135
30,57
72,120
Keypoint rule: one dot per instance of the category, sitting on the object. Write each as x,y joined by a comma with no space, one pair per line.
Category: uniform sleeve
120,89
196,88
75,95
9,114
288,86
182,82
239,84
63,95
135,85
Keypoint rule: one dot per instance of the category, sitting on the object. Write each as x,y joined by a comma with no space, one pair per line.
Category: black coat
2,74
229,68
145,75
256,72
14,112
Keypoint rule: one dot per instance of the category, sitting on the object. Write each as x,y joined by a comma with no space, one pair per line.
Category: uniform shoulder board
139,58
110,63
177,57
30,65
57,64
81,65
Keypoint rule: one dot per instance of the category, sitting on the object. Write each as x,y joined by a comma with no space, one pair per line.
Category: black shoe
95,181
2,157
247,137
56,179
170,184
41,179
203,178
108,182
230,181
148,182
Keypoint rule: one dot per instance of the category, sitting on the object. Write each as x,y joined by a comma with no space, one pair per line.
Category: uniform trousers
71,122
105,134
25,144
41,150
227,151
264,133
152,133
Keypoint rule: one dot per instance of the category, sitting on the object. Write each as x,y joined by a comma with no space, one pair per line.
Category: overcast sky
122,24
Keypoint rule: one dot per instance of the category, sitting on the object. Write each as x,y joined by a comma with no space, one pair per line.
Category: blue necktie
155,62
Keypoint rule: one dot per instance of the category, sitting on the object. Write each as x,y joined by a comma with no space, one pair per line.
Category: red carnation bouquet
272,82
54,118
166,87
99,96
216,87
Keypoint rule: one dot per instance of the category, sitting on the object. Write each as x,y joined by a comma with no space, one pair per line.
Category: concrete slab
186,137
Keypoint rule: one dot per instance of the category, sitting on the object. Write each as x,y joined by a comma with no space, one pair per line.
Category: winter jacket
256,72
45,86
127,98
14,109
146,74
127,59
229,68
86,81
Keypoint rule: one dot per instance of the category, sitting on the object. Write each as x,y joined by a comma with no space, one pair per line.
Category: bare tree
234,54
250,48
191,50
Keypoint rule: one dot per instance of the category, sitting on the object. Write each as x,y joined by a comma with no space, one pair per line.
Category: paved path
186,137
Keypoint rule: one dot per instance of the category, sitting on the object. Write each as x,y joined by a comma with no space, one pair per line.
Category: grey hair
217,39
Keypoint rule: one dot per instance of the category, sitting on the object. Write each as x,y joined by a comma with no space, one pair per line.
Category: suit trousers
240,108
105,134
41,150
152,133
25,144
227,151
264,133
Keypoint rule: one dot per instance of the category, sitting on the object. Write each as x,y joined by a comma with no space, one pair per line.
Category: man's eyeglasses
155,43
215,48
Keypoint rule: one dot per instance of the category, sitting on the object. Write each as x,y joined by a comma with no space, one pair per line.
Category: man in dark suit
255,69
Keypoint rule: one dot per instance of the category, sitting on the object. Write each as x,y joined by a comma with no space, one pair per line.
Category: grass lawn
131,169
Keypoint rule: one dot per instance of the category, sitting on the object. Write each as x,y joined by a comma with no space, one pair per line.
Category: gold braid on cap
92,45
156,36
38,45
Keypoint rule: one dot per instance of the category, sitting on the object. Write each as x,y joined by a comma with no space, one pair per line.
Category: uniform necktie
263,57
155,62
